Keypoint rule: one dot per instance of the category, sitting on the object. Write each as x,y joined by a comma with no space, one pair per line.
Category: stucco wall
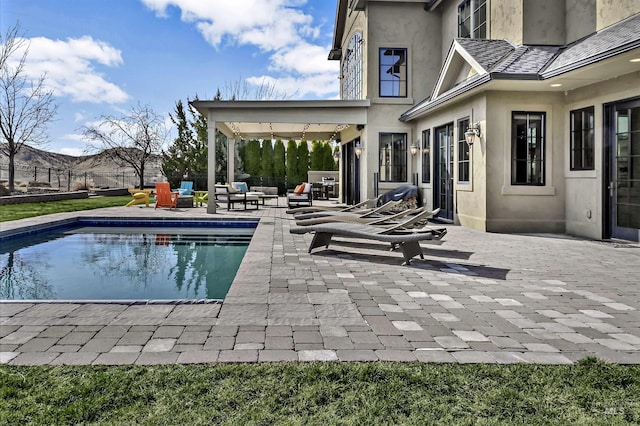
404,25
448,11
544,22
611,11
580,19
469,198
506,20
523,208
585,188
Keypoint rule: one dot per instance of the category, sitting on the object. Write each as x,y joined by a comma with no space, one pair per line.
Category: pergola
269,120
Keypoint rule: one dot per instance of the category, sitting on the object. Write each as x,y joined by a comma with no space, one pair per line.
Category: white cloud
75,152
69,68
279,27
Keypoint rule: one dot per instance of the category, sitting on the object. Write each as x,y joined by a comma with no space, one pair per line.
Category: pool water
122,263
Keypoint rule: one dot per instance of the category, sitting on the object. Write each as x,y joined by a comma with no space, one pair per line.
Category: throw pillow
299,189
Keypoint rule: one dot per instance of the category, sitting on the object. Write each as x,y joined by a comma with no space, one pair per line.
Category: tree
315,162
26,106
266,164
303,161
292,163
279,165
328,163
131,139
252,153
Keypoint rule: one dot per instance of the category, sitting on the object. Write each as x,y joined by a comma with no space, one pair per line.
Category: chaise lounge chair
418,217
366,213
364,205
398,235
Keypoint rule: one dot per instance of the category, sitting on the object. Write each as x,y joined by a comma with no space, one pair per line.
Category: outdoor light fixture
414,149
359,149
471,133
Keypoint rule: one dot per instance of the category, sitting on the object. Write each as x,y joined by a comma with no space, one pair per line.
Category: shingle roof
502,60
607,42
486,52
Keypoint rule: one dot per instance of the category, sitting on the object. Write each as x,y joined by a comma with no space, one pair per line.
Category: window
582,139
426,156
393,73
393,157
527,148
472,19
463,152
352,69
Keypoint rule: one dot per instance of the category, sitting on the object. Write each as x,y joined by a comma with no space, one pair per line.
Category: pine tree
266,165
303,161
292,164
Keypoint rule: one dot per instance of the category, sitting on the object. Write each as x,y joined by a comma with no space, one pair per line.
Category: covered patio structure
269,120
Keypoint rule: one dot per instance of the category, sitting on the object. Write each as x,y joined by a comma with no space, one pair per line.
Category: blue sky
101,57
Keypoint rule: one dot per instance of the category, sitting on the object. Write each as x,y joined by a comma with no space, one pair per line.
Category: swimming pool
124,260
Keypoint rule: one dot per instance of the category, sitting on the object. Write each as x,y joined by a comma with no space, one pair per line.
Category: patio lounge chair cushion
224,195
240,186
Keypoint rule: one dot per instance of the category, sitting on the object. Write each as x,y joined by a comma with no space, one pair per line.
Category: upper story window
393,157
393,73
582,139
352,69
528,147
472,19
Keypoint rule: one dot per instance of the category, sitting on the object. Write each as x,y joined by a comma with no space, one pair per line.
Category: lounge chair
408,240
165,197
366,213
371,202
418,217
139,196
186,188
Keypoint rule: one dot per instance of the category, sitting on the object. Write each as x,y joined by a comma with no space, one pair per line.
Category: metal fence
67,179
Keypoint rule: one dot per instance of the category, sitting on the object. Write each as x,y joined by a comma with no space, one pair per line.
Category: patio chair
225,195
300,195
186,188
165,197
408,240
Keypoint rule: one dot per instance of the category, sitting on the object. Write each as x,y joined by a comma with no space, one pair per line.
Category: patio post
211,164
231,151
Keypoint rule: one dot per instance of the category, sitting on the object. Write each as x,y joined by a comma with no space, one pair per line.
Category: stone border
39,198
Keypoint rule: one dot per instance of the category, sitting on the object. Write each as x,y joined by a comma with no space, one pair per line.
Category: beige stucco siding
580,19
544,22
611,11
524,208
506,20
585,188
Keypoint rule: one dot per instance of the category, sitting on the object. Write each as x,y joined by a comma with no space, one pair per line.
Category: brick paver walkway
477,298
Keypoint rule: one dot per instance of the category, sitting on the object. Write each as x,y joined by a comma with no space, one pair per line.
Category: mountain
29,157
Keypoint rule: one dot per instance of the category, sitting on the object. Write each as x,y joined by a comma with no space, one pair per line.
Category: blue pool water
122,262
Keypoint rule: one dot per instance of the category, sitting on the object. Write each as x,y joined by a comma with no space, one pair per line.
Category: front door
622,165
443,188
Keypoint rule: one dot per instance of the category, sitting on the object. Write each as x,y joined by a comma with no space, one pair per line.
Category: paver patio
479,298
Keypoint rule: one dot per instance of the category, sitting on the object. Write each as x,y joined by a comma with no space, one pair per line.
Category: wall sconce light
414,149
359,149
471,133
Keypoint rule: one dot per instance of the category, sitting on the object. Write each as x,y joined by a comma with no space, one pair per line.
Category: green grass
590,392
21,211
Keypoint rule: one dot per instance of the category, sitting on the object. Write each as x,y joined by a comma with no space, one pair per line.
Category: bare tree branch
26,106
131,139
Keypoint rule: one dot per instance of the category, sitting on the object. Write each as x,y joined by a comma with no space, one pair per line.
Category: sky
104,57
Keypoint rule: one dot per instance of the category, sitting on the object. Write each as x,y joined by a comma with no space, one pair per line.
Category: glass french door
624,171
443,161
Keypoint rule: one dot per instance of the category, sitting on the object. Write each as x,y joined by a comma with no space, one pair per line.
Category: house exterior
547,93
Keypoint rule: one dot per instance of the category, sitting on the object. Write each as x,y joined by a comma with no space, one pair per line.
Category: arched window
352,69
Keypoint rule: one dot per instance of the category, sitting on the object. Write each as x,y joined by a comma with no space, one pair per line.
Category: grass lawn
21,211
590,392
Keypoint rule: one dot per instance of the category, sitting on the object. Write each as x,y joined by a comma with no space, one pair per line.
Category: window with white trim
393,73
393,157
528,147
